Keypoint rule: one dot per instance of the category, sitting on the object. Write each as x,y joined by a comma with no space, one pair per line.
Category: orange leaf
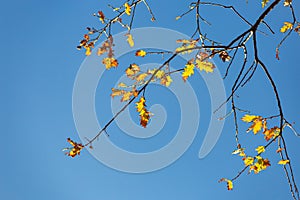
279,150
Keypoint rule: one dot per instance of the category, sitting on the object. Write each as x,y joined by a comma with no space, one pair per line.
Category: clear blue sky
39,63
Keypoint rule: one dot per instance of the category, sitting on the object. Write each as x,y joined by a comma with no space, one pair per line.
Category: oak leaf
132,70
188,71
249,118
256,126
205,65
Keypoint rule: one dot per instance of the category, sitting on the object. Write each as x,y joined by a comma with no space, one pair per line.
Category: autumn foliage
205,49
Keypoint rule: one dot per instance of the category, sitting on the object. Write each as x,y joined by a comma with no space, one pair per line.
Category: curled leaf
101,16
283,162
75,150
224,56
286,26
130,40
229,183
260,149
279,150
127,8
143,112
140,53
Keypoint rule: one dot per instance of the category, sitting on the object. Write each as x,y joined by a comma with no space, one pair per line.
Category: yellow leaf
141,77
260,149
283,162
229,183
116,92
143,112
140,104
186,44
132,70
249,118
188,71
260,165
166,80
159,74
140,53
178,17
122,85
130,40
75,150
249,161
256,126
126,96
242,154
88,51
286,26
264,3
110,62
127,8
205,65
185,47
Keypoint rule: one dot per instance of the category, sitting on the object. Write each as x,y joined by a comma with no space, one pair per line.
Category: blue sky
39,63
